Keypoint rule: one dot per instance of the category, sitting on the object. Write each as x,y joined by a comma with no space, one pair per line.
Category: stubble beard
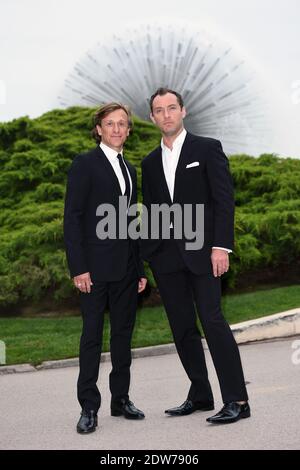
172,132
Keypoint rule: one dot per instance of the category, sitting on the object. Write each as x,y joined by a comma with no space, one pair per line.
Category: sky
40,41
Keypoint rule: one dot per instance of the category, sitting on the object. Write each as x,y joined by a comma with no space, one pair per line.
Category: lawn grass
37,339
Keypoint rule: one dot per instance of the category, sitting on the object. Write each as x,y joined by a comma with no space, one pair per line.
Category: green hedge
34,157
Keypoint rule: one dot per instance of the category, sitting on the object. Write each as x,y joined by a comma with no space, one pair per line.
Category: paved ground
39,410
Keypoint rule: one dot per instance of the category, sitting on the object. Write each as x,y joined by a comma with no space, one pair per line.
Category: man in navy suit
193,170
107,271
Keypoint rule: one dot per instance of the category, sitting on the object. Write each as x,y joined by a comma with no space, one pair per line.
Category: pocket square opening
191,165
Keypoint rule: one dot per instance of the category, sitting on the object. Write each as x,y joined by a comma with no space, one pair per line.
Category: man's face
114,129
167,114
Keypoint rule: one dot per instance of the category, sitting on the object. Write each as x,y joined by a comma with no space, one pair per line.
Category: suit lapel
182,162
133,183
109,170
131,171
163,177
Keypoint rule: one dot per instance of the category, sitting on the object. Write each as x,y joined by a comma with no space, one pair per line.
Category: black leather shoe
230,413
126,408
88,422
189,407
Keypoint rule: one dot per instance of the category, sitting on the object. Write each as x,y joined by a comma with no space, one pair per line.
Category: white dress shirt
170,159
112,157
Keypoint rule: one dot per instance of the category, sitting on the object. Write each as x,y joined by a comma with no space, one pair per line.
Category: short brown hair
163,91
106,109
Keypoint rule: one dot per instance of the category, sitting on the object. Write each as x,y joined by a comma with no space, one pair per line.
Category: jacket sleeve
78,184
221,186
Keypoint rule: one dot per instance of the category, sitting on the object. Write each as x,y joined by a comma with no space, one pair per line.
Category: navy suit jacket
91,182
208,183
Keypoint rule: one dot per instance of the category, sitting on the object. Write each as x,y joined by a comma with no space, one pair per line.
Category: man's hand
220,261
83,282
142,284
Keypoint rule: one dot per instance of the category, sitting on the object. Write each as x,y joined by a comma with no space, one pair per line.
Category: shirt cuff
225,249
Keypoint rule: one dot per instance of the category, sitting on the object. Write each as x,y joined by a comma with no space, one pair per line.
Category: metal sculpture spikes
220,93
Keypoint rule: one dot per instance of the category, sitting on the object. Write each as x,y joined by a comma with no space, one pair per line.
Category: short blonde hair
104,111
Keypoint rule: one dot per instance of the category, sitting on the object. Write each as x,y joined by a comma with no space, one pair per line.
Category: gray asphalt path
39,410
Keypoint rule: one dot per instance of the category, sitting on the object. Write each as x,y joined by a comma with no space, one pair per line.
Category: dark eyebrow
161,107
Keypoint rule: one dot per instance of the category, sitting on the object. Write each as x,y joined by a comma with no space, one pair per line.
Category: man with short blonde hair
105,271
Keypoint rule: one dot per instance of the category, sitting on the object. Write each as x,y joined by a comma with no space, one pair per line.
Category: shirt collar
177,142
110,153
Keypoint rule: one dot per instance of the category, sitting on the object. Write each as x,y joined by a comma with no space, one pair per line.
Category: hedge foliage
35,155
